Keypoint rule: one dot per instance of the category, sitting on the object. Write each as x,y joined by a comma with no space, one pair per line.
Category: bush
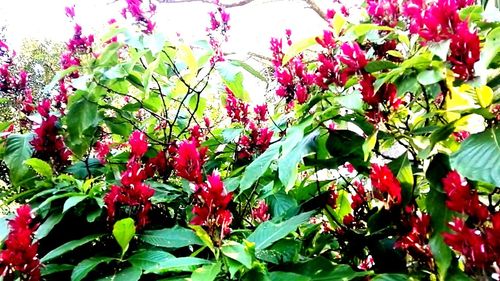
379,162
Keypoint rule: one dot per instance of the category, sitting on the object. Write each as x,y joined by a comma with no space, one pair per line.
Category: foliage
364,169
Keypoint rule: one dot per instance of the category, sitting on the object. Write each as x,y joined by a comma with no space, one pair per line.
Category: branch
230,5
312,4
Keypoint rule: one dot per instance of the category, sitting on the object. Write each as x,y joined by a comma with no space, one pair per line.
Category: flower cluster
133,196
48,143
210,209
383,12
189,161
19,258
440,21
257,137
260,213
416,240
293,77
383,181
476,238
219,27
141,17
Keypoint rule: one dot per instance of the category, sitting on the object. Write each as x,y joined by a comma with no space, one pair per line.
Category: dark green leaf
258,167
73,201
175,237
82,269
268,232
178,264
48,269
429,77
378,65
390,277
45,228
149,259
82,119
479,157
127,274
18,150
69,246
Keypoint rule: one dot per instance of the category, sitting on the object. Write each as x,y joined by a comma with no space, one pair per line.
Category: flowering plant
377,158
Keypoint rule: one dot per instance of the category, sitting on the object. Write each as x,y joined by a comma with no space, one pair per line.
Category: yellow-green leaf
298,47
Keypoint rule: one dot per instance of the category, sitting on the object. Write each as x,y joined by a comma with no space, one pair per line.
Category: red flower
464,51
461,198
352,56
384,181
416,240
20,254
469,242
260,112
237,110
460,136
210,209
260,213
138,143
383,12
189,161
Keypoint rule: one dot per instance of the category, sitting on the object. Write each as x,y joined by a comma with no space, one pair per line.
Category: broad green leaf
259,166
390,277
429,77
48,269
287,164
269,232
362,29
178,264
207,272
352,101
124,231
479,157
81,120
176,237
230,134
442,254
73,201
283,251
287,276
69,246
127,274
233,78
340,272
18,150
149,259
238,252
82,269
379,65
45,228
41,167
401,168
280,203
204,237
369,144
298,47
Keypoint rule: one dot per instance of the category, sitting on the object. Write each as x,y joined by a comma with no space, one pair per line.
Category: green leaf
401,168
149,259
176,237
287,276
362,29
429,77
379,65
18,149
390,277
479,157
269,232
81,120
369,144
230,134
41,167
298,47
48,269
340,272
204,237
86,266
442,254
283,251
69,246
281,203
177,264
45,228
259,166
238,252
124,231
127,274
233,78
287,164
206,273
73,201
